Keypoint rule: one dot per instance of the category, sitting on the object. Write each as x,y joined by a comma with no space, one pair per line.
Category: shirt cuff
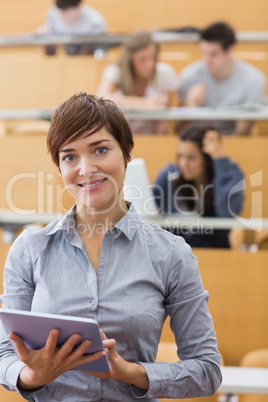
160,378
12,374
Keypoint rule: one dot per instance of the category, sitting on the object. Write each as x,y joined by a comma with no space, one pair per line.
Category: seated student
220,80
139,80
101,261
71,17
199,184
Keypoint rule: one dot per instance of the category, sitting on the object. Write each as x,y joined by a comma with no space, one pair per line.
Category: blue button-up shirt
144,274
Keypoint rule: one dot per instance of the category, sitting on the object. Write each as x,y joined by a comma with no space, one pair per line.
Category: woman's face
190,161
144,61
93,171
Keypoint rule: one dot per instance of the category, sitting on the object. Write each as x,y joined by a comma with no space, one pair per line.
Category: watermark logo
256,200
46,195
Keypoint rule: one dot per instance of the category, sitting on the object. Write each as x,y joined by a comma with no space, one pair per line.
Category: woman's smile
93,185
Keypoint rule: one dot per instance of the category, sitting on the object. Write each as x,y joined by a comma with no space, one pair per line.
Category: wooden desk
170,114
113,39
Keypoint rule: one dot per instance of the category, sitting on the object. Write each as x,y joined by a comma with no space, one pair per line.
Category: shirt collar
67,222
128,225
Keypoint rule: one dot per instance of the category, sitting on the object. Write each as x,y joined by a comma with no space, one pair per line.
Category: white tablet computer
34,329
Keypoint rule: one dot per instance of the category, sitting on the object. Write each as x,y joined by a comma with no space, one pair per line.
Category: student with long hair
199,183
139,80
101,261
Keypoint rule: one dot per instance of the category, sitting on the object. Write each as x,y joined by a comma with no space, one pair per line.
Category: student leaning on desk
139,81
219,80
101,261
71,17
201,183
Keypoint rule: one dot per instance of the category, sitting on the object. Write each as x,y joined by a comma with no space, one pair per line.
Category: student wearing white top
220,80
71,17
138,80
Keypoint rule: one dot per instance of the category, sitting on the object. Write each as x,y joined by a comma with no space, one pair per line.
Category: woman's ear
131,156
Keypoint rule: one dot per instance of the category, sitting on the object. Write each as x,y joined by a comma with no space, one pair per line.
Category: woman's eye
101,151
191,158
69,158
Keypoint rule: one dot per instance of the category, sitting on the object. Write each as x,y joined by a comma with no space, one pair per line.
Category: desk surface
253,112
171,114
109,40
244,380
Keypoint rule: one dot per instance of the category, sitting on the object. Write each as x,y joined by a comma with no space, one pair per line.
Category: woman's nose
87,167
182,162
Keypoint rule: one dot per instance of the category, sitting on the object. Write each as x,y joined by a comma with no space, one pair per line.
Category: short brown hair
221,33
82,115
65,4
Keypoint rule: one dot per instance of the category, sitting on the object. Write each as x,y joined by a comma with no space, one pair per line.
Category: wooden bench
37,81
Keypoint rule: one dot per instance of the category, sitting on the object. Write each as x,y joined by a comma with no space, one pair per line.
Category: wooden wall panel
25,15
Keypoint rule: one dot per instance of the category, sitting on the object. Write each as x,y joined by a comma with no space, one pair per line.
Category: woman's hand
120,369
212,145
44,365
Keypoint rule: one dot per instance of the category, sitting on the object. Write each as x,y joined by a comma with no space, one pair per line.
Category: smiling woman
101,261
93,170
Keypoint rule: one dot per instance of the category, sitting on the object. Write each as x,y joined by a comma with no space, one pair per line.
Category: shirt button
93,302
96,395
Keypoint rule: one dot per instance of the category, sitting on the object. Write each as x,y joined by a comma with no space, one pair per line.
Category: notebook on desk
138,189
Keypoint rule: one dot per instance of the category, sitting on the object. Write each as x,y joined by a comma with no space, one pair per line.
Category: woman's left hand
212,145
120,369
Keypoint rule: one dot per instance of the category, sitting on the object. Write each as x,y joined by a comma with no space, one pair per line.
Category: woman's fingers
52,340
69,344
103,335
77,353
88,358
20,347
109,343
